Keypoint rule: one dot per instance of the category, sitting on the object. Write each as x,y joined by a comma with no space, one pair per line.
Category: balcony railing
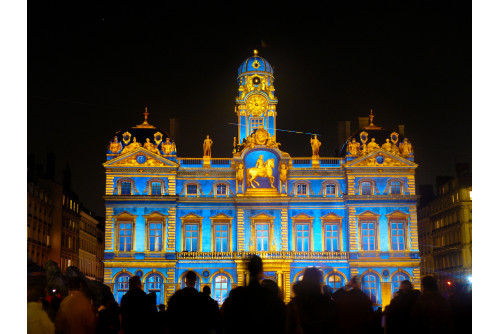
278,255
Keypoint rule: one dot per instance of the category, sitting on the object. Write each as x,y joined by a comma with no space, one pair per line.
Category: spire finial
146,115
371,116
255,52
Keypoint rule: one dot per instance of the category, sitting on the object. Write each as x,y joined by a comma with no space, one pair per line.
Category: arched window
366,188
154,284
335,282
299,278
220,288
369,285
125,188
121,286
396,280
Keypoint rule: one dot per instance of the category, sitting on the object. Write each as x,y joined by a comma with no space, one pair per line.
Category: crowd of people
258,307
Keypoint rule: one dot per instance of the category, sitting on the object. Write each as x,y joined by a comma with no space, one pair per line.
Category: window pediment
125,215
331,216
368,214
398,214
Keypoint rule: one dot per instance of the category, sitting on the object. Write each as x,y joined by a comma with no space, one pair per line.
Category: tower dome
255,65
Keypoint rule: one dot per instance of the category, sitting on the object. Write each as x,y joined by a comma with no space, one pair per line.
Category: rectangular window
302,234
221,237
368,235
192,189
221,189
395,188
397,236
125,237
155,188
366,188
332,235
330,189
302,189
125,188
155,236
262,236
191,232
256,123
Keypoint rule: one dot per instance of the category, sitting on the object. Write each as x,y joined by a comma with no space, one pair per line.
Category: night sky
93,68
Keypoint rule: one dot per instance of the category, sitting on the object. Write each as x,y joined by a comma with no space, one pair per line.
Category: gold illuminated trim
400,271
335,272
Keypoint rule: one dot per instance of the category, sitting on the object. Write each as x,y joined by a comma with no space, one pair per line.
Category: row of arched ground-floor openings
221,283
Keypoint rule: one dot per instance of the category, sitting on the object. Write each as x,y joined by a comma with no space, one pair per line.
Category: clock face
256,105
256,80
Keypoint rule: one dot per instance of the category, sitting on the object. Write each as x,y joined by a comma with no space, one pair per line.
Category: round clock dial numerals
256,105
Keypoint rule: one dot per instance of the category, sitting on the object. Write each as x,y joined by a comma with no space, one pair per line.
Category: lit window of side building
353,216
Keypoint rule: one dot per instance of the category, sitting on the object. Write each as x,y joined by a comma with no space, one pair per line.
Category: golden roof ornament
145,124
255,52
372,126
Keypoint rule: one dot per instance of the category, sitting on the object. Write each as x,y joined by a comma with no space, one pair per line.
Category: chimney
174,130
401,129
51,166
67,179
343,131
363,122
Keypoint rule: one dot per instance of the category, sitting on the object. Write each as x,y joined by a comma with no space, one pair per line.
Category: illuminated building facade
353,215
445,231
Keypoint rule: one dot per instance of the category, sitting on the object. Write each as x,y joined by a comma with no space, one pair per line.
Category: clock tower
255,103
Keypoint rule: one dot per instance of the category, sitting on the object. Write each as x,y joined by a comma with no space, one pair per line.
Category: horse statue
264,171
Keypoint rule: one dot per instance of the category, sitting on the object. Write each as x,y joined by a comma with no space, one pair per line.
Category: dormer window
221,189
302,189
396,188
125,188
330,189
155,188
192,189
366,188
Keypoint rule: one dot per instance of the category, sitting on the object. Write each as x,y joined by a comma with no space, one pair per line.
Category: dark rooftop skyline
93,68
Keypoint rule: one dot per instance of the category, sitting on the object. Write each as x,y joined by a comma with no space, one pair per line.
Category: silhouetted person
354,310
310,311
398,313
75,314
460,302
206,290
253,308
431,313
38,320
136,314
273,287
108,316
190,311
162,318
